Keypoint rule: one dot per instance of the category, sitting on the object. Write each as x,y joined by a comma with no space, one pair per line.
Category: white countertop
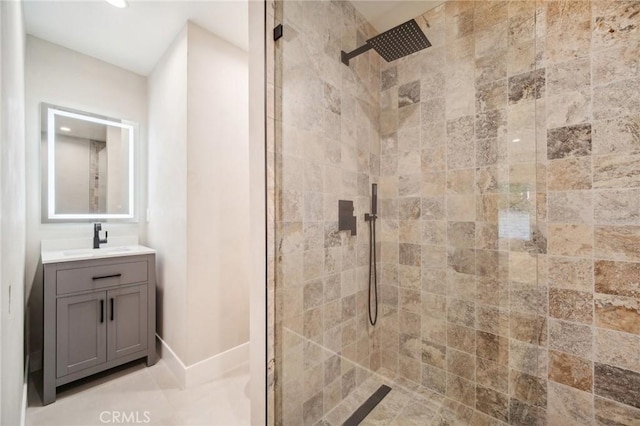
72,255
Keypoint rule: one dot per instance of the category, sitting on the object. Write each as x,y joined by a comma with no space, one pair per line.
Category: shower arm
345,57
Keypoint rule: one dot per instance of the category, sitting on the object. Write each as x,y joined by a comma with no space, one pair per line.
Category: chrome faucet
97,227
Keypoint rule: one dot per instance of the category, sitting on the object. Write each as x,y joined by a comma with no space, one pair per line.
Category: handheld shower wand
373,272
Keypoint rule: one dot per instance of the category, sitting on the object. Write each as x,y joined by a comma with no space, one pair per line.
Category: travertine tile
491,96
616,348
528,358
617,278
529,389
527,86
389,78
461,260
493,403
571,108
615,23
523,413
570,207
570,141
569,76
459,137
571,305
617,313
434,378
568,30
487,236
569,174
613,99
493,291
461,364
408,94
568,406
616,171
616,135
492,347
616,63
617,384
617,207
460,389
571,338
571,370
492,319
523,56
617,242
570,240
434,232
490,124
607,411
461,338
460,181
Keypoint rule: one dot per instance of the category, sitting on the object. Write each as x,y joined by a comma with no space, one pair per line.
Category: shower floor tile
407,404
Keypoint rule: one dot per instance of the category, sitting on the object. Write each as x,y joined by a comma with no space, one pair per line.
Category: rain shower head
393,44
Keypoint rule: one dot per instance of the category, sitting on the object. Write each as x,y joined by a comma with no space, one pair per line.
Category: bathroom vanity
99,312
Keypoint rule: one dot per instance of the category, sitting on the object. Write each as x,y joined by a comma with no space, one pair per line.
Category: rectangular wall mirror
87,166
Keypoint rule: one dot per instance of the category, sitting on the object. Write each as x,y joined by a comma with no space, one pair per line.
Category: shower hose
373,273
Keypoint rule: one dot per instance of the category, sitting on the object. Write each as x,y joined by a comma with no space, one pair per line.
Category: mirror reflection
89,165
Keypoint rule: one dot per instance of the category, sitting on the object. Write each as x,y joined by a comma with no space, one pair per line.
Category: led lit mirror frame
51,112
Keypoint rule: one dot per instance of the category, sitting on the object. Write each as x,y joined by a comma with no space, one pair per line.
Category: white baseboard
205,370
215,366
25,387
173,362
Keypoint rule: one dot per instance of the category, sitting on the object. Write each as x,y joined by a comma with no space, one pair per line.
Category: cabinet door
127,319
81,332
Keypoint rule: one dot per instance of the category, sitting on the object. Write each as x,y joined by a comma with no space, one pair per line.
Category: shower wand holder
370,217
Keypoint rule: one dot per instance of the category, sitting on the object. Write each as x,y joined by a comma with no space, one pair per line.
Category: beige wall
217,195
199,194
167,227
12,213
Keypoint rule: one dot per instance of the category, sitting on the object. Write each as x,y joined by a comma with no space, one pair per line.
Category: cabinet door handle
102,277
111,301
101,310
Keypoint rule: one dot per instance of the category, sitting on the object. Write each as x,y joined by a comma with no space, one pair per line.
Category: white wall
217,195
12,211
167,228
67,78
199,194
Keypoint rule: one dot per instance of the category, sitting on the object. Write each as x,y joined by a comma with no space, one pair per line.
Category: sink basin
72,255
96,252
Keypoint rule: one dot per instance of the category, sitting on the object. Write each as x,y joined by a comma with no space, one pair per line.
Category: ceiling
386,14
133,38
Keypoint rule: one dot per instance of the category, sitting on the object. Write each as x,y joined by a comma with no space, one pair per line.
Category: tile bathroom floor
405,405
135,394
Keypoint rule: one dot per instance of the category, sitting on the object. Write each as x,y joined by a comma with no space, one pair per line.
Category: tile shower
508,162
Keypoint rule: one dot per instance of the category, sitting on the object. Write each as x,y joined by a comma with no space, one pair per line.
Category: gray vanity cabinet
98,314
81,332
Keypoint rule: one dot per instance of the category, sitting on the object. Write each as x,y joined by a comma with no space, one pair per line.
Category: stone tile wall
510,220
326,149
509,158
